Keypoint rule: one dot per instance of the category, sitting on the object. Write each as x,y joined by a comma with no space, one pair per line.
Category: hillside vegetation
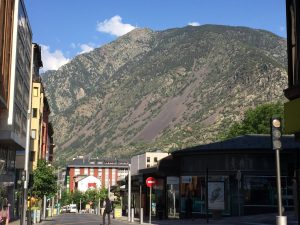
163,90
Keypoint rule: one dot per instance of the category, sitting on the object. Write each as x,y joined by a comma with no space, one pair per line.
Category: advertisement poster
216,195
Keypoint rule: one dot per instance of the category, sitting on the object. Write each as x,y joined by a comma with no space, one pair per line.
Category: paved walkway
264,219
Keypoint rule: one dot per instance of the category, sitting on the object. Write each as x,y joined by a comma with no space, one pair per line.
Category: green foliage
256,121
91,195
44,180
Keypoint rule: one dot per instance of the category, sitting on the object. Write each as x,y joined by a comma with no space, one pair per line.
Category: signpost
150,182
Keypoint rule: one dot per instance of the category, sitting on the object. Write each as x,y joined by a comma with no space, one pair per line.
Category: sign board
186,179
150,182
172,180
216,195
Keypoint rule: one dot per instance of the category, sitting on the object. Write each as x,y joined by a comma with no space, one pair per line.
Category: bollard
132,215
281,220
141,216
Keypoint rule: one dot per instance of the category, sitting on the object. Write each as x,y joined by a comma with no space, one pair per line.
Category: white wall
83,184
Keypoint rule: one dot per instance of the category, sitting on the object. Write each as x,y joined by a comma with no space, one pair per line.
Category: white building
87,182
146,160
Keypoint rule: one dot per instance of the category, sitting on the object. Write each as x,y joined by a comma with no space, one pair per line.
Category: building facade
146,160
107,171
15,67
234,177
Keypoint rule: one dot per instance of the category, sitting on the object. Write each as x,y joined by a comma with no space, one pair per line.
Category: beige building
146,160
36,134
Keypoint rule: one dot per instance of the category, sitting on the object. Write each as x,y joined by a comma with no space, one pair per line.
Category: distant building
83,183
107,171
146,160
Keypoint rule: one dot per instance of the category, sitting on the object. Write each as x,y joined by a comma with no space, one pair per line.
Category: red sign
150,182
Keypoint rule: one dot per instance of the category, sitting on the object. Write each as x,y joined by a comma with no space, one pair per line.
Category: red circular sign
150,182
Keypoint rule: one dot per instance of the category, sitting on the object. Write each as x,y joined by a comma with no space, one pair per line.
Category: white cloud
52,60
114,26
195,24
86,48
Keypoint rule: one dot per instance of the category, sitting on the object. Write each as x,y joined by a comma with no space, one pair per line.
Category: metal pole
80,205
129,191
26,163
278,182
150,208
141,216
44,207
108,188
206,194
140,198
298,193
280,220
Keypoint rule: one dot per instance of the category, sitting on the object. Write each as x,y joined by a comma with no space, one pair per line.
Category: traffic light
276,133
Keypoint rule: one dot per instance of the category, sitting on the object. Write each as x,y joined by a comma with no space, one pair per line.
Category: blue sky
66,28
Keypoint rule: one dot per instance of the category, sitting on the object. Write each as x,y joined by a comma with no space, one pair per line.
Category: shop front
233,177
230,178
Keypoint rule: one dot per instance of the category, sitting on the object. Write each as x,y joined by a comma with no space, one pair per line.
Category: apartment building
15,76
146,160
41,129
108,172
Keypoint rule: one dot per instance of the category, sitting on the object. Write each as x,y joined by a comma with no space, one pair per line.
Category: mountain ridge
162,89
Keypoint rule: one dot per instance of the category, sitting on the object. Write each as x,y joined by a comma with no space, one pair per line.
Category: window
77,171
35,92
34,113
148,159
32,156
155,159
100,173
86,171
6,25
148,165
91,171
33,133
113,176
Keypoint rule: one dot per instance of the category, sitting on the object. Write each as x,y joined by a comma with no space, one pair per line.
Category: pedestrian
4,213
189,207
107,210
113,207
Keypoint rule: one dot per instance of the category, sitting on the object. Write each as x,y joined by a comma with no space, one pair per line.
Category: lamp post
26,163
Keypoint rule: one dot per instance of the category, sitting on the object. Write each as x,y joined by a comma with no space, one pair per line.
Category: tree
44,180
256,121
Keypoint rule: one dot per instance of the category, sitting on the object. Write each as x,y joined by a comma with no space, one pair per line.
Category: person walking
107,210
4,212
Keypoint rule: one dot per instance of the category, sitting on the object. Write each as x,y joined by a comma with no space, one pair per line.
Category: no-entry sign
150,182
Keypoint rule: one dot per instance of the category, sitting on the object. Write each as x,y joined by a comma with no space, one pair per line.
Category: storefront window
195,187
262,191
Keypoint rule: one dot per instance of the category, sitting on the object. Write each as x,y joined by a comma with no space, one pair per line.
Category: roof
246,142
101,163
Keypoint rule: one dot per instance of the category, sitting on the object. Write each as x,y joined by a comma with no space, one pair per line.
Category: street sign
150,182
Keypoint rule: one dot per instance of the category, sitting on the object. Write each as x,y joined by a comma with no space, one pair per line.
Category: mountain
164,90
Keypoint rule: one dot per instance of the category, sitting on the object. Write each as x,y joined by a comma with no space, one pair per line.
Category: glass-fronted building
15,62
232,177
